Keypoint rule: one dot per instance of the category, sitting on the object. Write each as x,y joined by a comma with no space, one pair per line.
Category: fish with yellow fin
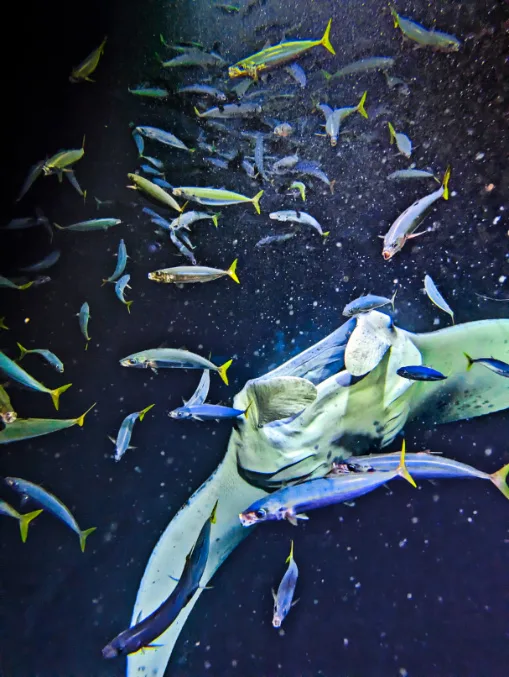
270,57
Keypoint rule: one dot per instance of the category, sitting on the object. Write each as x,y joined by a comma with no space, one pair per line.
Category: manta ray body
340,397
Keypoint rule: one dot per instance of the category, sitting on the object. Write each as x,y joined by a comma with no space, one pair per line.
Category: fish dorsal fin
280,397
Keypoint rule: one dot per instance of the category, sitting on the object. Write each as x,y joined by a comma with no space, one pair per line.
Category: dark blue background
59,607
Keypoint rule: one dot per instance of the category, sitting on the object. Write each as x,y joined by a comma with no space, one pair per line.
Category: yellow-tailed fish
120,286
24,520
301,187
63,159
277,55
28,428
154,191
173,358
187,274
50,503
50,357
403,143
87,66
9,284
427,38
16,373
216,197
405,225
3,325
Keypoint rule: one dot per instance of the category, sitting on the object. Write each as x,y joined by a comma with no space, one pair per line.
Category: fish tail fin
499,479
55,394
247,408
215,218
231,272
103,43
395,16
81,419
402,469
128,305
213,513
290,556
325,41
470,361
26,285
142,413
83,143
392,132
83,537
445,183
223,369
57,226
200,115
256,201
326,234
326,75
22,351
24,521
360,106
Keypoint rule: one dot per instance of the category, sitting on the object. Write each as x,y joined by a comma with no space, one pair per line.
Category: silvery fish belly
340,397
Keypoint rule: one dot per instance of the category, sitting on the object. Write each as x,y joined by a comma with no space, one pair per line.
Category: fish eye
260,513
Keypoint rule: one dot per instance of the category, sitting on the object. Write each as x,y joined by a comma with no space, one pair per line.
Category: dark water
405,582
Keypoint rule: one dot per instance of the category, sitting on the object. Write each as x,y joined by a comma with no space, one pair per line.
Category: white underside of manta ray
338,398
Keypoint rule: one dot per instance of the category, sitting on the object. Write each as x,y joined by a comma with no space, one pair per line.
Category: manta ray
340,397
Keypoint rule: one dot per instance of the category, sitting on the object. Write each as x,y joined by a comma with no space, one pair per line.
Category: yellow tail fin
83,537
22,351
360,106
200,115
231,272
325,42
499,479
215,218
290,556
402,469
326,74
25,286
469,360
213,513
24,521
392,132
445,183
395,16
256,201
223,369
81,419
55,394
128,305
142,413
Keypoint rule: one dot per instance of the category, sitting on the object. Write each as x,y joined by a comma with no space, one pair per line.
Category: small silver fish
231,110
50,357
411,174
298,74
84,317
366,303
298,217
189,274
373,63
45,263
91,224
283,599
285,165
204,90
273,239
436,297
121,263
120,286
185,251
166,138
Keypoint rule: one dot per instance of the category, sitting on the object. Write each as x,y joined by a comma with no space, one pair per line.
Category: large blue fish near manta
340,397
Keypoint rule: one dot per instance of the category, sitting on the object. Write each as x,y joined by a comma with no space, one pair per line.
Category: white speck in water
502,279
415,520
488,451
409,595
345,641
479,156
403,672
436,498
496,220
403,543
